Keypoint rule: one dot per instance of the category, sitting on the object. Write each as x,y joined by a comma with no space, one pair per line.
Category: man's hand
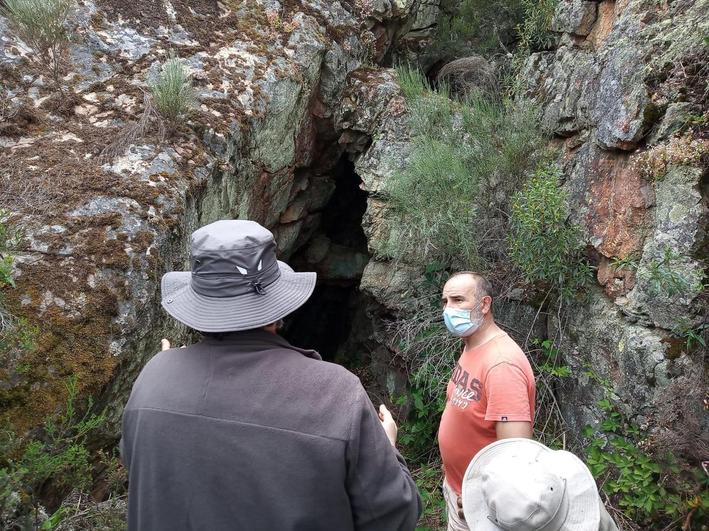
165,344
388,423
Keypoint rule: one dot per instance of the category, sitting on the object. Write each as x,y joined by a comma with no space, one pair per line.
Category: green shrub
42,25
534,32
666,276
466,160
58,458
650,491
172,90
7,239
543,243
475,26
428,483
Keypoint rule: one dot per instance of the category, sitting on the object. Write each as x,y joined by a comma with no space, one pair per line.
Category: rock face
289,103
608,96
99,227
610,88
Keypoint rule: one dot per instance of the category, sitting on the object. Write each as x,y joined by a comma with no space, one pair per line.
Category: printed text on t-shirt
466,388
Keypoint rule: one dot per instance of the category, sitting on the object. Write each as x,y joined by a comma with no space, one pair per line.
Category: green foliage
466,159
42,25
666,277
637,482
628,262
695,336
543,243
413,83
59,457
533,34
549,371
550,362
418,433
534,31
475,26
7,239
172,90
428,482
490,27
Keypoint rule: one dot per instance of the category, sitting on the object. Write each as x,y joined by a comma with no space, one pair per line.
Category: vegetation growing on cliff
48,466
451,201
544,244
172,90
42,25
491,27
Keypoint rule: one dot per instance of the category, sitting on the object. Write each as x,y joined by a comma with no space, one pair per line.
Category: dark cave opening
337,251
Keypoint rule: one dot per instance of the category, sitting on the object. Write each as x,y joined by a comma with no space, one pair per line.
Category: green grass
172,90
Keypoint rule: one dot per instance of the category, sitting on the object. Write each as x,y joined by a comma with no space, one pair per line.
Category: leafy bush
58,458
543,244
172,90
42,25
475,26
467,158
666,277
428,483
649,490
534,32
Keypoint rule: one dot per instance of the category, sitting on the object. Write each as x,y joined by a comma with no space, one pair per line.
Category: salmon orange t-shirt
491,383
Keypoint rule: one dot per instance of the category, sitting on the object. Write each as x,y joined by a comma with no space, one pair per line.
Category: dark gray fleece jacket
250,433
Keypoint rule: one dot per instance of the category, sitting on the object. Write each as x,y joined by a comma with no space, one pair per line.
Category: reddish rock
618,199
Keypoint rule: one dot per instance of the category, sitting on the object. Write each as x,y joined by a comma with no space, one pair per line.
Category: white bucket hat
521,485
235,282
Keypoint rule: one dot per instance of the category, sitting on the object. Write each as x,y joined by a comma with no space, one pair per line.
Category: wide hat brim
232,314
581,490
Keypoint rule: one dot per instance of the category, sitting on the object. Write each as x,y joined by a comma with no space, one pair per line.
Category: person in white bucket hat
521,485
244,431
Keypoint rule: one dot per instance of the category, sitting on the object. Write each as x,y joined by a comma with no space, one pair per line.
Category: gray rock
669,276
574,16
608,356
676,117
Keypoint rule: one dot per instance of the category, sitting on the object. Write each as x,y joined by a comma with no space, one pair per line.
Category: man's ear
486,304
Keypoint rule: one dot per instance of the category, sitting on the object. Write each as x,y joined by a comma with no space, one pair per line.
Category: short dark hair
483,288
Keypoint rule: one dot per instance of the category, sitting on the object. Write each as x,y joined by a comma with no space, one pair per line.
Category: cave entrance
337,251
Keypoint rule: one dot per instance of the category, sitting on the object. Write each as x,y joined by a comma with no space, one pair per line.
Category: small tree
545,246
172,91
42,25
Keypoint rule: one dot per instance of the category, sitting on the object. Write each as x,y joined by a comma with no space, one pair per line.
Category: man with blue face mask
490,395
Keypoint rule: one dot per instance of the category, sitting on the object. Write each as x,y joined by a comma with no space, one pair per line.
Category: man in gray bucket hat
244,431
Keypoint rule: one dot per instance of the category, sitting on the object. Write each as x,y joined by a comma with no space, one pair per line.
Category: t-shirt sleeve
507,393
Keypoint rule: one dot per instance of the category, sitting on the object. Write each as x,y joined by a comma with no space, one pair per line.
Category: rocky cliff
291,103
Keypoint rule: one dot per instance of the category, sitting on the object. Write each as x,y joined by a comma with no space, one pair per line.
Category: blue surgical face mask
459,322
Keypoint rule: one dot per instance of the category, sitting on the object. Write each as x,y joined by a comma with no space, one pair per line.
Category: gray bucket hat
235,282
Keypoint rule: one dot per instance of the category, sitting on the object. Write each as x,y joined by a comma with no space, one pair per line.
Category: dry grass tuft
149,121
